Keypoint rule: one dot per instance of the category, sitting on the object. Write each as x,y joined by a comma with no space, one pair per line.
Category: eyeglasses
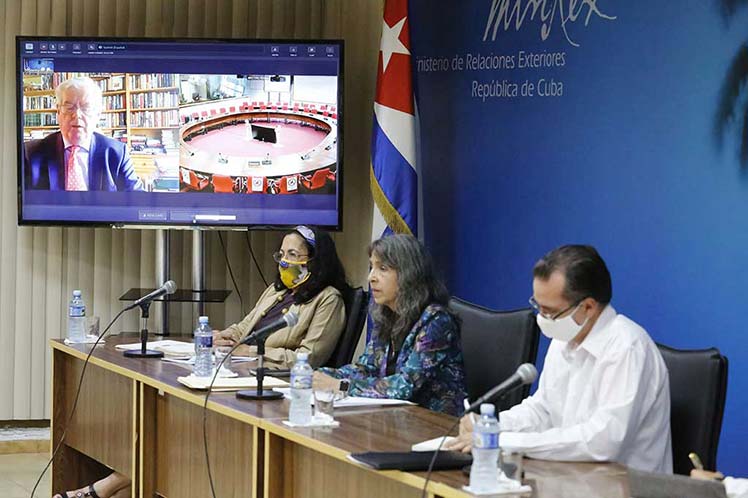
536,309
70,109
291,255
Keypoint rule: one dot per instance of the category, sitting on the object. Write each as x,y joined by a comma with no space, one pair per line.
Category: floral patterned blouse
429,367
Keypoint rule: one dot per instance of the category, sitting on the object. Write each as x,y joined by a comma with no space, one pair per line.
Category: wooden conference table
133,416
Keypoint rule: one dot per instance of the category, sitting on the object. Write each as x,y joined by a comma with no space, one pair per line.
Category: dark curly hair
324,265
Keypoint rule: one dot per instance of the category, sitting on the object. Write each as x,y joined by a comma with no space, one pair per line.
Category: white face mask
564,329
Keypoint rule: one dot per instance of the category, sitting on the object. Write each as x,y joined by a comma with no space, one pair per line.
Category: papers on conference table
176,351
229,383
173,349
191,360
352,401
89,339
432,444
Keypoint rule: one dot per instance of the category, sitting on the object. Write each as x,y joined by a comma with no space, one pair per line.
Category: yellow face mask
293,273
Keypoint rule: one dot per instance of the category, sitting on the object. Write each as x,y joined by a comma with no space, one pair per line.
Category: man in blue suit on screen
77,158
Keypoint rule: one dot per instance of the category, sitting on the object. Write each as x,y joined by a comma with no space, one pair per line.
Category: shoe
90,493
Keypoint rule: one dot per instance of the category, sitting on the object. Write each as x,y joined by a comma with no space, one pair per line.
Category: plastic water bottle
300,411
77,318
484,473
203,349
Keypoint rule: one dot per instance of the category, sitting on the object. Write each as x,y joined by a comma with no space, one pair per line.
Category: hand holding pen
698,471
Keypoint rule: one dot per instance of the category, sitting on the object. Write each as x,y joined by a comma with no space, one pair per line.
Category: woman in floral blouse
414,351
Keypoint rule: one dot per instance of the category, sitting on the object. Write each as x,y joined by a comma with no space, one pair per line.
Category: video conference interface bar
205,57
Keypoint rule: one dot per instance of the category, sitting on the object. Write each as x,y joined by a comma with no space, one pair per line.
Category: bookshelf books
133,104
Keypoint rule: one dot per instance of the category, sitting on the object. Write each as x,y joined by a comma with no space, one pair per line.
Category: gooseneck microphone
169,287
145,303
288,320
525,374
258,337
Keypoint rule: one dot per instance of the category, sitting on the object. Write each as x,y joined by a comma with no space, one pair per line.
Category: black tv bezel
20,39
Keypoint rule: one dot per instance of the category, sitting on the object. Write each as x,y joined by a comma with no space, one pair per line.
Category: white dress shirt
736,488
608,399
81,158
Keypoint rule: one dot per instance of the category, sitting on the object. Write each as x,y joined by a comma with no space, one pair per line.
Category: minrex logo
506,12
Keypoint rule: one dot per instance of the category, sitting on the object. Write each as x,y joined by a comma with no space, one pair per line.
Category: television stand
196,294
179,296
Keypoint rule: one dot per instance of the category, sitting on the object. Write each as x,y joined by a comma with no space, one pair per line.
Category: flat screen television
179,133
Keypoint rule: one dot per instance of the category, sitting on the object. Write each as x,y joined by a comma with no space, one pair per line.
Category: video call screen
179,133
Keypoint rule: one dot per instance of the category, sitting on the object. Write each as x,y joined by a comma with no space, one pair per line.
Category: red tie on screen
73,174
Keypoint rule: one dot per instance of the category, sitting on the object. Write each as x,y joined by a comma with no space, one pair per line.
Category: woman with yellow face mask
310,281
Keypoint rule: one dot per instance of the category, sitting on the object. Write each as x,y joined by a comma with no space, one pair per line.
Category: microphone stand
259,393
143,352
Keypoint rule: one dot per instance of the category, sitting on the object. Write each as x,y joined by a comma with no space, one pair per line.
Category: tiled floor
19,472
24,433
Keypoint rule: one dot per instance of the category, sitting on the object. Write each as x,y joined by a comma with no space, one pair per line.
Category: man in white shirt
604,392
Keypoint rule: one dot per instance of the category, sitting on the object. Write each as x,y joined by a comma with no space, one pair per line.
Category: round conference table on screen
221,143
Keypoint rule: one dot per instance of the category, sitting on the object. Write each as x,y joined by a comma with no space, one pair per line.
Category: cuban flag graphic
394,178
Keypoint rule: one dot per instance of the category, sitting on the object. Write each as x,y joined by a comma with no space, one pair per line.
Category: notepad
229,384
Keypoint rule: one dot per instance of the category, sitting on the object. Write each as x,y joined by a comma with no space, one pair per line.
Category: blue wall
625,159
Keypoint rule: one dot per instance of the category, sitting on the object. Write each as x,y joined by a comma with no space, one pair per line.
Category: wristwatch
344,386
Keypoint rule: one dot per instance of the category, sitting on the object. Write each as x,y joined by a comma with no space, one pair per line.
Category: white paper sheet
229,384
432,444
353,401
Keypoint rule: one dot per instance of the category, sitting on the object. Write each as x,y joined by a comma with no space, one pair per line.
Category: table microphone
258,337
525,374
145,303
169,287
288,320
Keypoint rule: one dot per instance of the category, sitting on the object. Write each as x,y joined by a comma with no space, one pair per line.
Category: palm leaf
729,7
734,83
744,139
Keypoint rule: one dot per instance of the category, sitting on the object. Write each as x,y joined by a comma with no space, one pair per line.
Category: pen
696,461
466,404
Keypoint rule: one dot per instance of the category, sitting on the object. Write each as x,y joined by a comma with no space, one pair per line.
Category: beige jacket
320,324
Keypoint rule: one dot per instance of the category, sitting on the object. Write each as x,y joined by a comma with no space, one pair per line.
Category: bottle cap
302,356
77,293
202,319
487,409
